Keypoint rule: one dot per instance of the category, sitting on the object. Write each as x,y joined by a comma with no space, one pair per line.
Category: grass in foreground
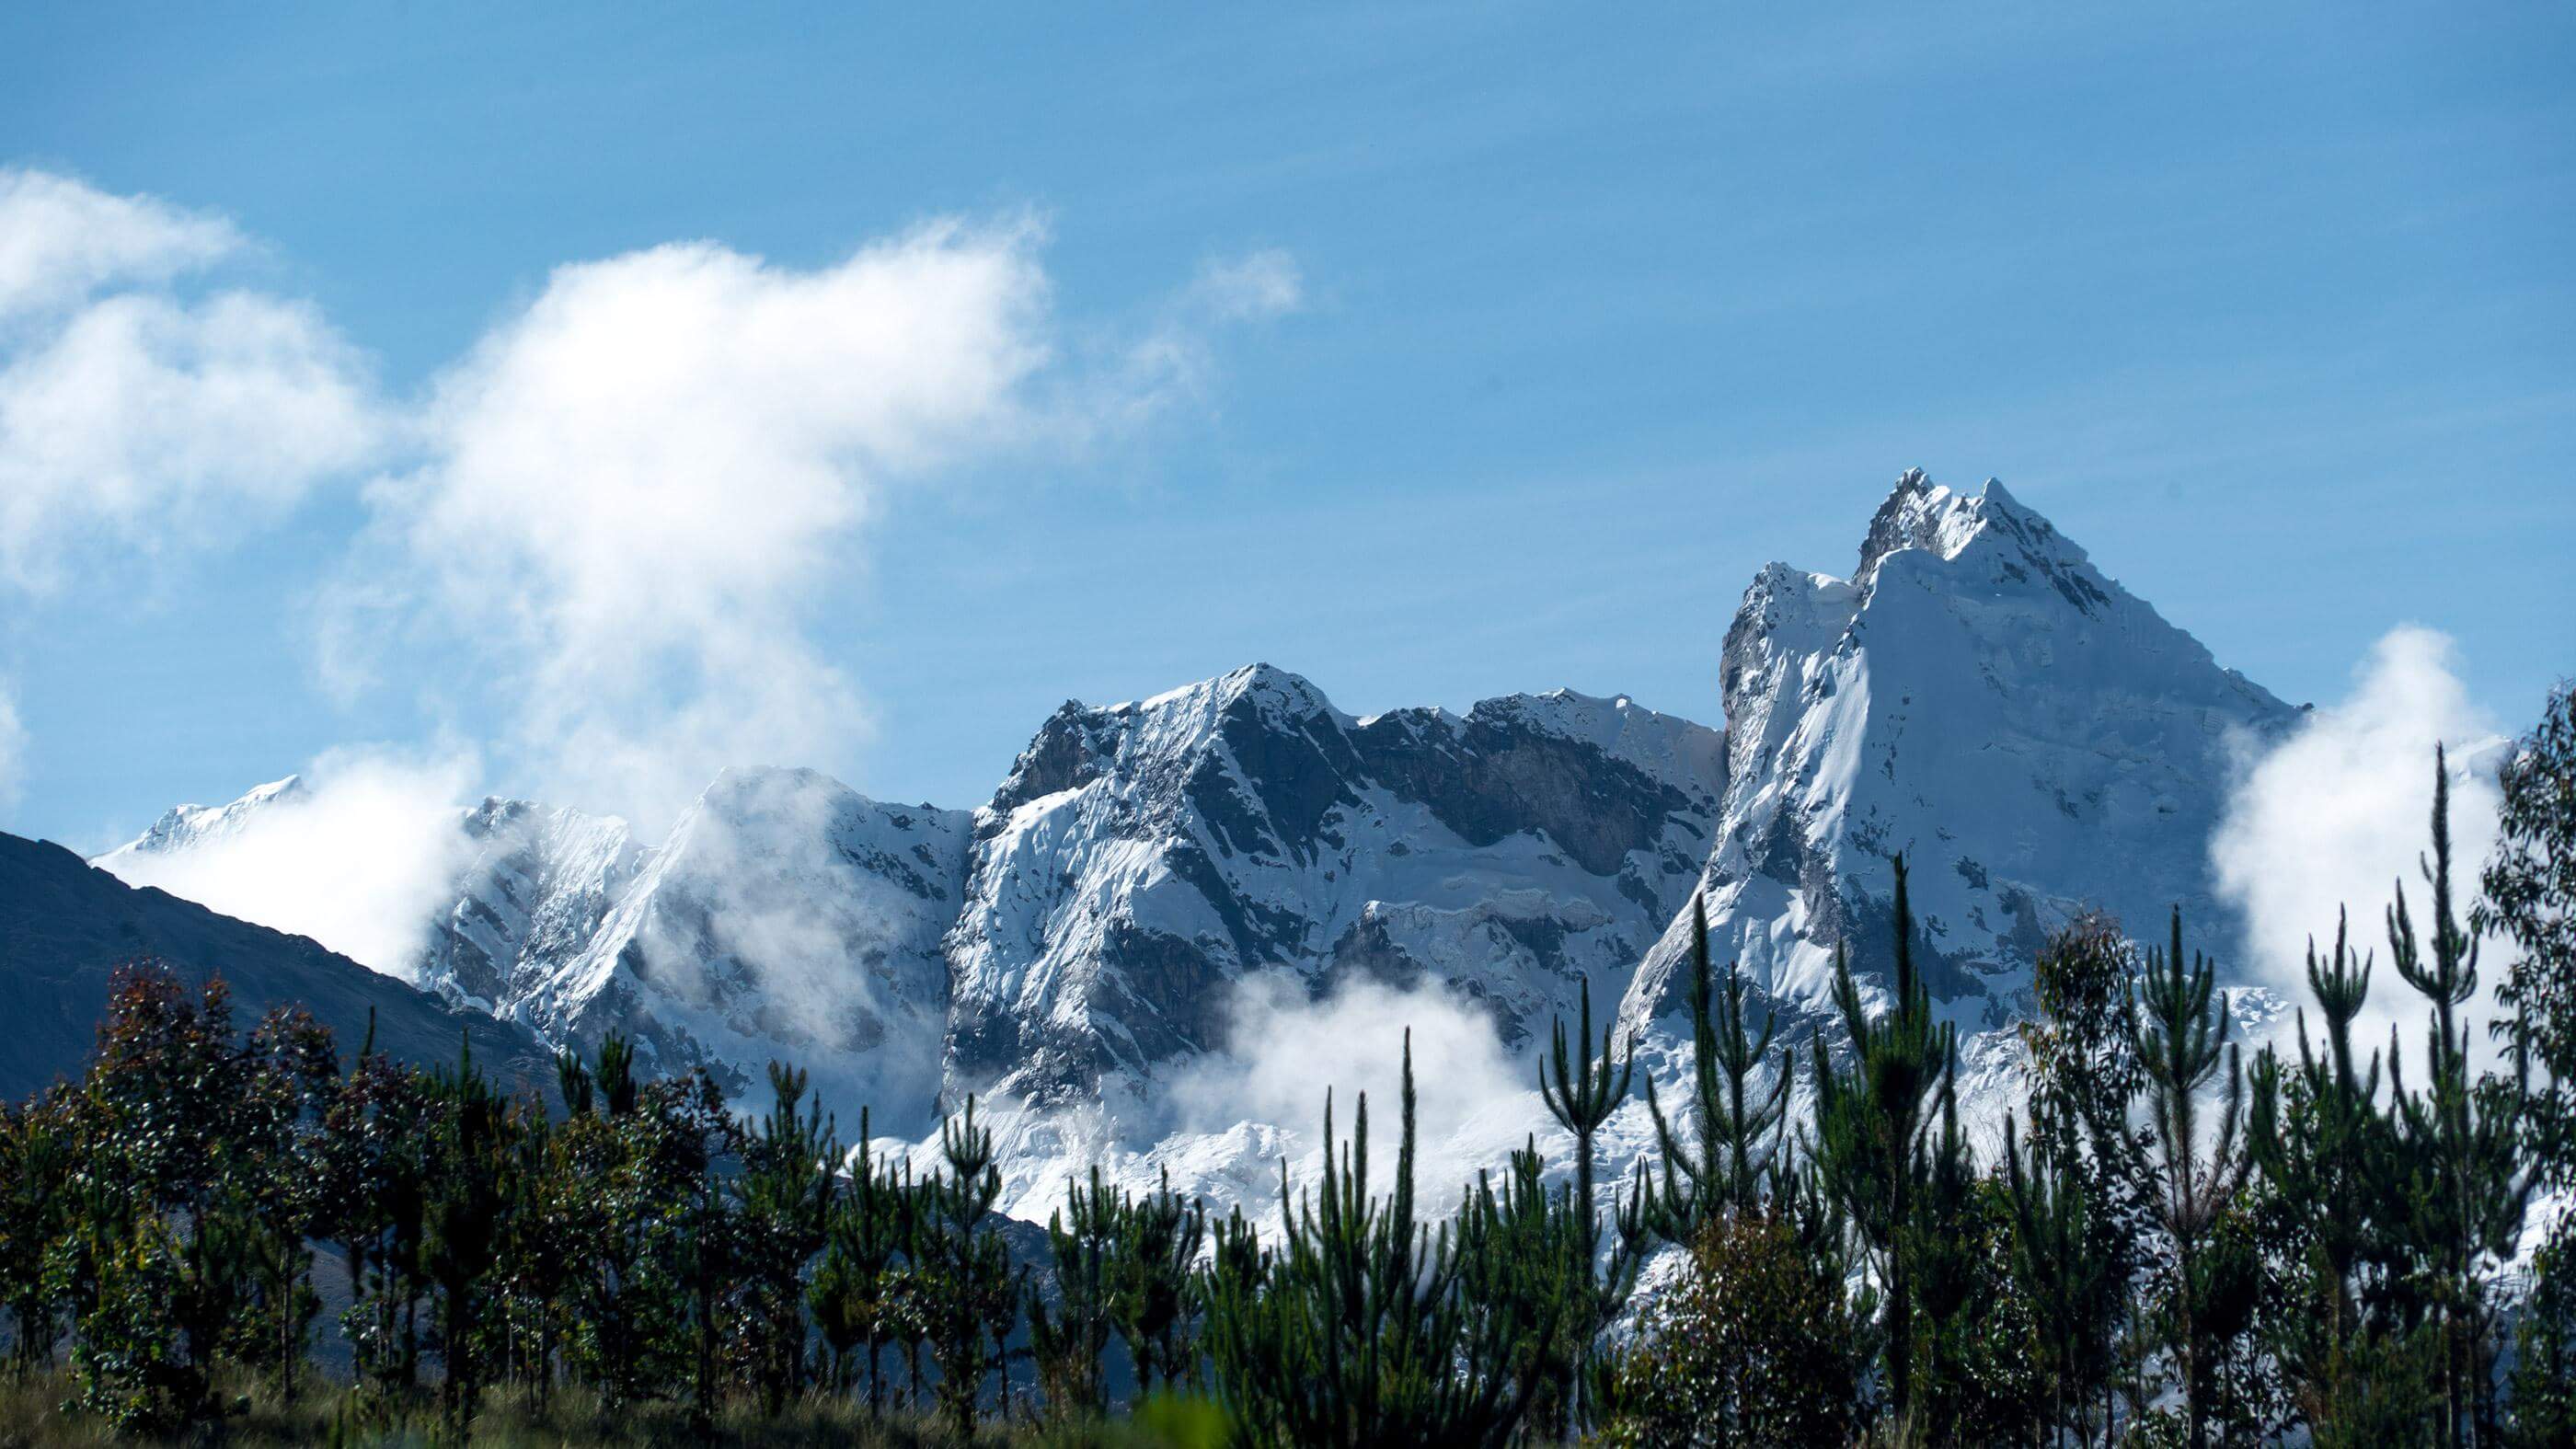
32,1417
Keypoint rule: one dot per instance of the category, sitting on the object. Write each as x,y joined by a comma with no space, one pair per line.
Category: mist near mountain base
1285,1048
2339,815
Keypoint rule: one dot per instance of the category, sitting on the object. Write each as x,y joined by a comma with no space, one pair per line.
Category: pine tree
1722,1171
966,1276
2530,900
1872,1117
2056,1258
469,1185
2182,1046
1151,1264
1356,1334
786,1193
2324,1153
1582,1093
1069,1339
853,1295
2466,1184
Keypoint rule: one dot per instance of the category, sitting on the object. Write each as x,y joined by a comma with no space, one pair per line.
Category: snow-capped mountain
1154,879
1094,918
2035,740
1143,858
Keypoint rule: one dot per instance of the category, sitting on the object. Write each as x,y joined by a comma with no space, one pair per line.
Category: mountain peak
1267,684
182,826
1946,525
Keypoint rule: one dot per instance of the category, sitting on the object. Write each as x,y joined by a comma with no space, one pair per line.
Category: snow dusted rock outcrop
2033,739
1143,858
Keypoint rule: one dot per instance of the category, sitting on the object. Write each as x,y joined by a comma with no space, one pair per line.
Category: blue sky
1595,310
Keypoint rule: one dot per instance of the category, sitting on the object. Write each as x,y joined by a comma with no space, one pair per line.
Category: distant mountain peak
185,825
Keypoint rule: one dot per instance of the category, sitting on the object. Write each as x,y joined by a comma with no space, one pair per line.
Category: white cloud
61,240
1474,1101
635,487
2336,815
134,421
360,858
635,490
1171,365
13,747
151,426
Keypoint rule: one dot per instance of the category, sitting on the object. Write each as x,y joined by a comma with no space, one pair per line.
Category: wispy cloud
61,241
1284,1050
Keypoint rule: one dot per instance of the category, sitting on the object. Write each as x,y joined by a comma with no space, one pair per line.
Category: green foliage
973,1293
1873,1123
2073,1289
1721,1172
1581,1092
1358,1333
1069,1339
2530,890
789,1182
1150,1274
1758,1343
2192,1177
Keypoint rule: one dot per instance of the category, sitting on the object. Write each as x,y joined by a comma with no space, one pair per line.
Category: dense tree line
2170,1243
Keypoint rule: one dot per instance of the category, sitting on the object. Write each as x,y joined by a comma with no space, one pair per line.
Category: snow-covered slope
1143,858
785,918
185,827
538,885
